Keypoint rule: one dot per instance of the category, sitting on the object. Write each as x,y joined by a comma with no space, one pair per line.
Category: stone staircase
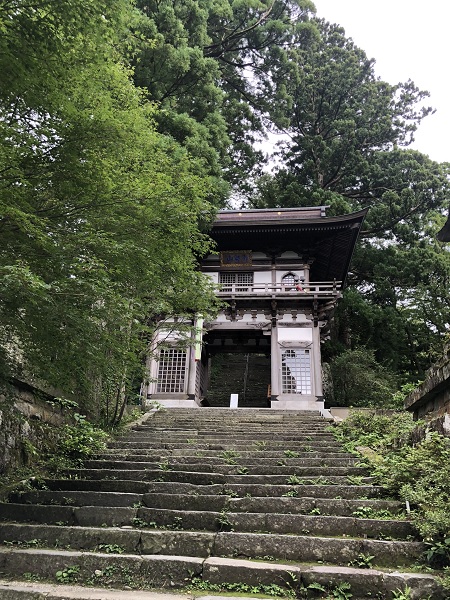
257,497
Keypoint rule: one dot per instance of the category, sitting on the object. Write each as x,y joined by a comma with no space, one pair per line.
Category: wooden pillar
317,388
192,373
274,364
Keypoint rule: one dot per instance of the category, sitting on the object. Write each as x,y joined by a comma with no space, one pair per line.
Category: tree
346,137
338,117
124,126
204,65
100,214
359,380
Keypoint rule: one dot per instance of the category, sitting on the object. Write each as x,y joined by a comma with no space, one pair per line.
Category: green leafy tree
100,214
344,128
360,380
204,65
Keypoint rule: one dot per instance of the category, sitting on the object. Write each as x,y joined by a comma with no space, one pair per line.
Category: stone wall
28,424
340,413
431,400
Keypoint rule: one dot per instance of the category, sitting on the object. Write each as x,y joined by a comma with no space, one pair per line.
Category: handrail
315,288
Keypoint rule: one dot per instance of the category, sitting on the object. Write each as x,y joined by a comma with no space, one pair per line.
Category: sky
409,40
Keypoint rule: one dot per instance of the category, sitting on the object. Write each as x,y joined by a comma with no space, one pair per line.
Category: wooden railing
324,289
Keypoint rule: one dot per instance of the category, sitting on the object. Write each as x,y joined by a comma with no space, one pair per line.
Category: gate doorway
246,374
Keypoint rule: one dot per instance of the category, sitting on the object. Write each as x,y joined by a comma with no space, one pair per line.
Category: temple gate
280,273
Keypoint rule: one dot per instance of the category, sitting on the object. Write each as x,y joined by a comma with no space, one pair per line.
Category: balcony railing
316,289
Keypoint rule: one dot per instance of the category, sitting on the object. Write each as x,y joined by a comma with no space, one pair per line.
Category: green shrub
379,432
418,474
76,443
359,380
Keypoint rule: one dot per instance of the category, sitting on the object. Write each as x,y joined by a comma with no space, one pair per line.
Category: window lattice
171,371
296,372
288,280
242,281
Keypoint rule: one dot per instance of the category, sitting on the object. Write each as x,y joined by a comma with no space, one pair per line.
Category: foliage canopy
124,125
345,142
100,214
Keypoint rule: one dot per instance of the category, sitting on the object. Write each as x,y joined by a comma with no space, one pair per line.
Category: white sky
409,40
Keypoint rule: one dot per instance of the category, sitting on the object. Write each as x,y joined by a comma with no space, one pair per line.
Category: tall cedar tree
346,134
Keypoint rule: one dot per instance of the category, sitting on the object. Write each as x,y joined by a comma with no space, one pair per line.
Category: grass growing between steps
293,590
201,585
417,473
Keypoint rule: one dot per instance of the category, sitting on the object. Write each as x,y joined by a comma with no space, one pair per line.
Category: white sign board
234,400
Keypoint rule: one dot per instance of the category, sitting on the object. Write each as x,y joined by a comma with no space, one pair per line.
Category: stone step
85,516
166,504
208,412
179,495
239,428
301,525
322,525
214,430
227,429
274,443
201,516
422,586
191,477
362,581
225,434
214,518
292,494
98,515
312,549
77,498
204,431
20,590
98,485
175,542
242,414
255,454
224,416
234,438
138,538
110,540
302,477
268,505
169,487
305,505
224,423
80,497
140,483
204,426
313,491
94,567
207,466
305,446
305,460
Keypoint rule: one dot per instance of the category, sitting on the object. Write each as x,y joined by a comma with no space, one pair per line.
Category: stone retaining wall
27,423
431,400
